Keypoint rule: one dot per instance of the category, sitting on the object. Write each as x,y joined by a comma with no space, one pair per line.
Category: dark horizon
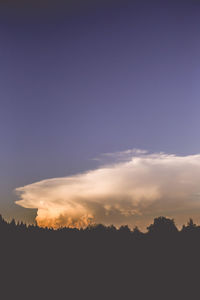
100,262
190,224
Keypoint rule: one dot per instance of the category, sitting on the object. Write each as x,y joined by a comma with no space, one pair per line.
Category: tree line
160,226
100,262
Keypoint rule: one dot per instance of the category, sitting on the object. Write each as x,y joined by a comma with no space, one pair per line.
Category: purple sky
76,82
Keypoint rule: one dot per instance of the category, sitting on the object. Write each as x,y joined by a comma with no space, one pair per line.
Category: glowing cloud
131,190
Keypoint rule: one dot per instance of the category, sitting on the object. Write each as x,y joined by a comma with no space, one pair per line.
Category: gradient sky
81,79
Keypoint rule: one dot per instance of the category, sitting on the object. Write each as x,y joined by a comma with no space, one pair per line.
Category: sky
83,78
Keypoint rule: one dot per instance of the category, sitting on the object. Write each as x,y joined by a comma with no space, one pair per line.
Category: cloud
133,189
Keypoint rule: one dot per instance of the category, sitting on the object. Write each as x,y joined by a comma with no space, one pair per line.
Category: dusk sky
85,78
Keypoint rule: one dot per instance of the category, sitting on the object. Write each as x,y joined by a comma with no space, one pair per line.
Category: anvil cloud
131,190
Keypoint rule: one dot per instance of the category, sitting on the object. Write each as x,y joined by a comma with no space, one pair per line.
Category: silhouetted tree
124,229
13,224
137,233
162,226
190,227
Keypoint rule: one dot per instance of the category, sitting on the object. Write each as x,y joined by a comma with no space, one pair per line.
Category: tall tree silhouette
162,226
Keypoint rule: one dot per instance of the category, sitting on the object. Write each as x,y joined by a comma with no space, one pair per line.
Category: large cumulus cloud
134,188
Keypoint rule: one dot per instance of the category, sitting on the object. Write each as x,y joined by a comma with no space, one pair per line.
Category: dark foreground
100,262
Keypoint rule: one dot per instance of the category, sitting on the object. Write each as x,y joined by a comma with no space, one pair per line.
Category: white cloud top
135,188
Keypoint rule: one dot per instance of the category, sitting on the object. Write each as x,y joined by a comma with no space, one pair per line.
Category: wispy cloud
132,189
